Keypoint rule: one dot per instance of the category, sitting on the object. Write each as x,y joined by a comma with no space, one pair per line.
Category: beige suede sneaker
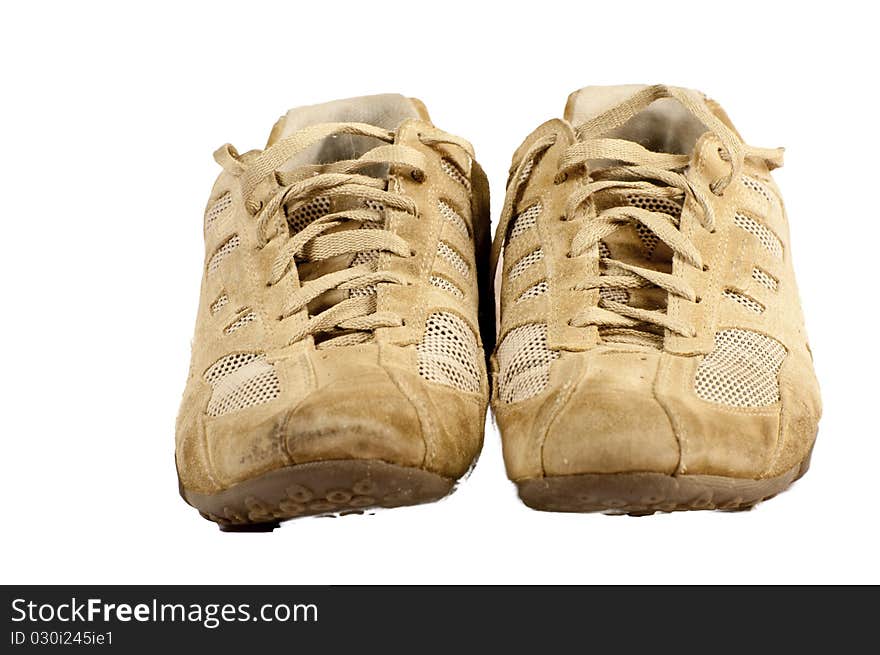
652,353
337,363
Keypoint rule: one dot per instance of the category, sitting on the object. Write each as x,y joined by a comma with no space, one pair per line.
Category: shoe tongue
386,111
663,126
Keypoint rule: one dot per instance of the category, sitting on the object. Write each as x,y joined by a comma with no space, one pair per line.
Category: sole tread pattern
330,488
642,494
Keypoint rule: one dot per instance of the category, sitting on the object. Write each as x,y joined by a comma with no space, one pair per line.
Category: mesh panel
613,294
604,251
649,239
455,260
447,212
650,203
223,252
365,257
449,167
524,363
446,285
448,353
302,216
216,209
525,221
229,364
218,304
757,187
527,170
742,371
369,257
252,383
765,279
749,303
769,240
240,322
534,291
533,257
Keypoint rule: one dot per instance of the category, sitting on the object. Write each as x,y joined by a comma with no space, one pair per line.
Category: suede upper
261,394
732,392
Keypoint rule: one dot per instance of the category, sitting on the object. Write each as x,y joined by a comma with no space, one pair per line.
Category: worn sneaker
652,353
337,363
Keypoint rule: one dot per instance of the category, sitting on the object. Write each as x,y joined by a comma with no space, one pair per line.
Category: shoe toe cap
364,416
612,422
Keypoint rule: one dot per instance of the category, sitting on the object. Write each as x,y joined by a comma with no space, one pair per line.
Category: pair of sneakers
635,319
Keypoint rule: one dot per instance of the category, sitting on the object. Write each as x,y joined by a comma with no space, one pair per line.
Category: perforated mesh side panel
763,234
449,167
527,170
229,364
757,187
455,260
525,221
524,363
447,212
244,385
446,285
220,303
448,353
520,267
302,216
765,279
534,291
216,209
223,252
749,303
742,371
240,322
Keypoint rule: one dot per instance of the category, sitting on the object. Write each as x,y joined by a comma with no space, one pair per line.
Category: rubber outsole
317,489
641,494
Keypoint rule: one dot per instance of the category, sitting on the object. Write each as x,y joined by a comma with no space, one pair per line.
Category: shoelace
353,319
647,174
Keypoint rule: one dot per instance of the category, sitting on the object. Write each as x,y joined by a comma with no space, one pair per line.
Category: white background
110,114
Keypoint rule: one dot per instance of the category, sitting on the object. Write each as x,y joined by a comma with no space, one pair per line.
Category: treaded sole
641,494
317,489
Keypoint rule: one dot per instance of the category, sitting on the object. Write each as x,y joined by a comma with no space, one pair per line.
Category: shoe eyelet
418,176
